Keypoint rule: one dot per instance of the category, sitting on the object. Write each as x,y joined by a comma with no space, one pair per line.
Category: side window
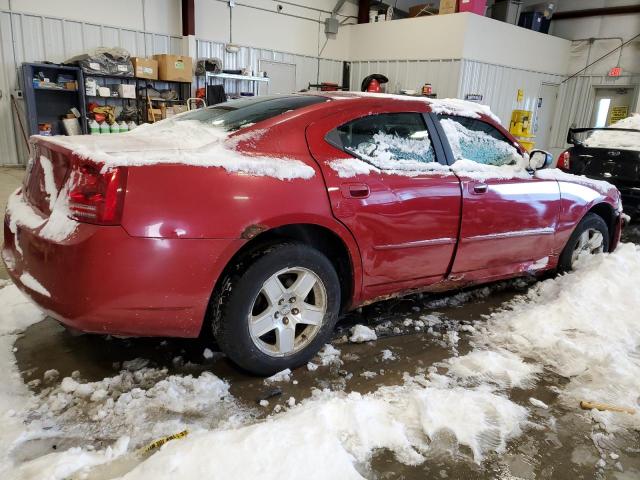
475,140
388,140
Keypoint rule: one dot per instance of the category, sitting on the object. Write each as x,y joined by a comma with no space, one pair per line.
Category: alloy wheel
590,242
288,312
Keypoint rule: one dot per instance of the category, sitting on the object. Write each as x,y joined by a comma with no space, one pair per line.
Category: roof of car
449,106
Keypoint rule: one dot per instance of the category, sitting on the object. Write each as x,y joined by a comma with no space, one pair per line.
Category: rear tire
279,310
590,236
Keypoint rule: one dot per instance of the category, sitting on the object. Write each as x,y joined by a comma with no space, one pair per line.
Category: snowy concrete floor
567,451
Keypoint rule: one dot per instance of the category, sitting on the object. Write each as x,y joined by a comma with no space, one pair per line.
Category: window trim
432,130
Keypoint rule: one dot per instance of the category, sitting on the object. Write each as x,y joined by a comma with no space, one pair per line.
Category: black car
610,154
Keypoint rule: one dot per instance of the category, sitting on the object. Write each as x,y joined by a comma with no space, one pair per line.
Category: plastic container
104,128
123,126
474,6
94,127
115,128
131,125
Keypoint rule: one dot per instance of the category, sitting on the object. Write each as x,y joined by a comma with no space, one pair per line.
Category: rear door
507,224
386,185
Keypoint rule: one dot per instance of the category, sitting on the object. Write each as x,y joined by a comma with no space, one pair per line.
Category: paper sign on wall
618,113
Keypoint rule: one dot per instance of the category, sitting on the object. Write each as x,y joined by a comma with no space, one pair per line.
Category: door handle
480,188
355,190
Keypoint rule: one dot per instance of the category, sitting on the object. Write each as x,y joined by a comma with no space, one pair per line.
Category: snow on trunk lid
46,174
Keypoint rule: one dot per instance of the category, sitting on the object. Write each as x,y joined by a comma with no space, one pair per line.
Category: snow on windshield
478,146
616,139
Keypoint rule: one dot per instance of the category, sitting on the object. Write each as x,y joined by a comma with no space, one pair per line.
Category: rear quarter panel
190,202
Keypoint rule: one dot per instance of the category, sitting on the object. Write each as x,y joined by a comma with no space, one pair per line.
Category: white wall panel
247,57
577,97
33,38
499,86
411,74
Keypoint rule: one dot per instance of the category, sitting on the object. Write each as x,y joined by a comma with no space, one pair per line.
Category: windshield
235,114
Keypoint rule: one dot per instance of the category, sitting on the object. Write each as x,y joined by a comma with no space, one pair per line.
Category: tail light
564,161
96,195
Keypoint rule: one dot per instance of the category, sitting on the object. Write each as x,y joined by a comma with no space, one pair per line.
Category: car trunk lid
46,174
617,166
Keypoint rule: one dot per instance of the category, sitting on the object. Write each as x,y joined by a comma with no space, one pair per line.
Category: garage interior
92,405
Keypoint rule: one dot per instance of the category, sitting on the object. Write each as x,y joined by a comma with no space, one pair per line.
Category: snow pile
361,333
60,466
188,142
347,429
329,355
17,313
584,327
142,404
282,376
30,282
501,367
615,139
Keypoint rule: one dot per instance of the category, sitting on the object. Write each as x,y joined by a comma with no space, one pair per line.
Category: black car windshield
235,114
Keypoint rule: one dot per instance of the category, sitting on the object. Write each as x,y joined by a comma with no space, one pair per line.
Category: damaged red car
263,219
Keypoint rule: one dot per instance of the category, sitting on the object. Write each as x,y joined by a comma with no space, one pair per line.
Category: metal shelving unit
48,105
254,81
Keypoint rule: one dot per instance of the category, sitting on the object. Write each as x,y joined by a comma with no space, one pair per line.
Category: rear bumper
102,280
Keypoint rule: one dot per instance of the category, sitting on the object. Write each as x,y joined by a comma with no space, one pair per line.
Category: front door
388,184
508,224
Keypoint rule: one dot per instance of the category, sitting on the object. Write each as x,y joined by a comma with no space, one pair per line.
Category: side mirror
539,159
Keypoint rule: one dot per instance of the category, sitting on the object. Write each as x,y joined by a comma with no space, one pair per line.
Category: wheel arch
259,238
606,211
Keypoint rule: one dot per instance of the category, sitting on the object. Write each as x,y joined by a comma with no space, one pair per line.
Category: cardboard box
448,6
174,68
145,68
422,10
126,91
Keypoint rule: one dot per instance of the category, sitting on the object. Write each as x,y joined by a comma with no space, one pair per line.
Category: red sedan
263,219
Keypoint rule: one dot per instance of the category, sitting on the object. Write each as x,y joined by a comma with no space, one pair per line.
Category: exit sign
615,72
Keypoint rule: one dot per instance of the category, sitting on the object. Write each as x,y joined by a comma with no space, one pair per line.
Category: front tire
591,236
278,311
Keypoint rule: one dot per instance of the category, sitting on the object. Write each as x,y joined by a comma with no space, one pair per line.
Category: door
544,114
387,186
611,105
282,77
507,223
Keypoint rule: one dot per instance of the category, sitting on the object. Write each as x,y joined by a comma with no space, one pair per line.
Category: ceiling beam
188,18
596,12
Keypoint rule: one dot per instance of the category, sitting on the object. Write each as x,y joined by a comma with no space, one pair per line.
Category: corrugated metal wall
30,38
443,75
499,86
577,97
456,78
248,57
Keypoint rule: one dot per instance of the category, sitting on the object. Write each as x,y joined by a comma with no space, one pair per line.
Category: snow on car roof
448,106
